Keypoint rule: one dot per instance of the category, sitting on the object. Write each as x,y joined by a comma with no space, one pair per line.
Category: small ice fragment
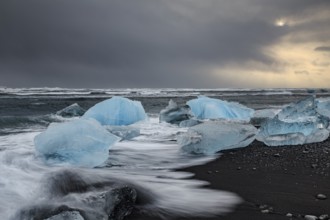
289,215
71,111
321,196
298,123
79,142
189,123
208,108
310,217
324,217
174,114
124,132
213,136
117,111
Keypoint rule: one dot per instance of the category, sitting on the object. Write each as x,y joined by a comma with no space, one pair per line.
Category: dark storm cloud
145,43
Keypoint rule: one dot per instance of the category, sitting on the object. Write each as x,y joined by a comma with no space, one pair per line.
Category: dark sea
148,161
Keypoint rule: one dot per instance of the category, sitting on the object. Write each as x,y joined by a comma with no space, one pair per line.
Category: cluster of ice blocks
85,142
215,125
303,122
298,123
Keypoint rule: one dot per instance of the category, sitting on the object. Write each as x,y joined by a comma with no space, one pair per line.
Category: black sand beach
272,181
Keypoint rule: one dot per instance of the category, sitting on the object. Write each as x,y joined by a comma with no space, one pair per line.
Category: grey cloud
145,43
319,63
301,72
323,49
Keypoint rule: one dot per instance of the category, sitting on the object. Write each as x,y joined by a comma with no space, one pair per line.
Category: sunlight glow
280,22
295,65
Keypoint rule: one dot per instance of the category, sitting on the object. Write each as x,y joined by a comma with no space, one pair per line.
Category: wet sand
272,181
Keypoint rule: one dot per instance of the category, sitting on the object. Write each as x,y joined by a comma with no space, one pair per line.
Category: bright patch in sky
280,22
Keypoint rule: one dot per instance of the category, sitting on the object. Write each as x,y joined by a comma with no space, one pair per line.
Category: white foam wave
150,92
146,161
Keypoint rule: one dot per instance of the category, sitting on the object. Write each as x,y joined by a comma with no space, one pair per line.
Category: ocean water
147,162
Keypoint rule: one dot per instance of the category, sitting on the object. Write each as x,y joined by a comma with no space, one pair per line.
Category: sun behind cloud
280,22
299,58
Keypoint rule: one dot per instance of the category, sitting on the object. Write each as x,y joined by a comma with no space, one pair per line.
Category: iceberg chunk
213,136
79,142
262,115
323,107
124,132
208,108
71,111
174,114
298,123
117,111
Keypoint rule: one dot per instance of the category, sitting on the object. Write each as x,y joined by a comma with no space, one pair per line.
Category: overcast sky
165,43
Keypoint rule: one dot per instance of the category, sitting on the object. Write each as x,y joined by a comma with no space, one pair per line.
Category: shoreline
272,181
